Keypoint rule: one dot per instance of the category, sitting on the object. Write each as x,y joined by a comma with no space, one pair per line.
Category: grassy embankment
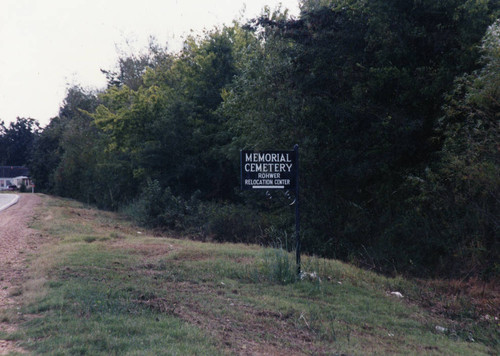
99,285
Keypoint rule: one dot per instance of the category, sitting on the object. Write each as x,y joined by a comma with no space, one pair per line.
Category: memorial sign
274,170
268,169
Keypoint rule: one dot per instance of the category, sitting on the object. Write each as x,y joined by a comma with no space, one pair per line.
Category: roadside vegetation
100,285
394,105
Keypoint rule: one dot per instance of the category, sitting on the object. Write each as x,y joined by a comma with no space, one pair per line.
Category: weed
4,318
115,235
16,292
277,266
89,239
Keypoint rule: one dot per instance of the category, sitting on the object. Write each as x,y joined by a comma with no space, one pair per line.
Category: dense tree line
17,140
394,105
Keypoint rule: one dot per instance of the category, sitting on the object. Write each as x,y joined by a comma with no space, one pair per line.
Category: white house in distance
11,176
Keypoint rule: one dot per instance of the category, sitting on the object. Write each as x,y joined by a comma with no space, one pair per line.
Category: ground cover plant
100,285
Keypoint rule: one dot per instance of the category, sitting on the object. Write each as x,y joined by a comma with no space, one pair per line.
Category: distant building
11,176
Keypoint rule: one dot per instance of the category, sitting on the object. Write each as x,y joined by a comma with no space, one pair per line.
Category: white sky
48,45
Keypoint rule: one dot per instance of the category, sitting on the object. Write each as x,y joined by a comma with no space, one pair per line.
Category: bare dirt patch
15,243
246,331
451,298
146,250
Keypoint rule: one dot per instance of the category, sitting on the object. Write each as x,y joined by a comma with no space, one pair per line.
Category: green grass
100,287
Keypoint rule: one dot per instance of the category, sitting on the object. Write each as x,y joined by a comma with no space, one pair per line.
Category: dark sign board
268,169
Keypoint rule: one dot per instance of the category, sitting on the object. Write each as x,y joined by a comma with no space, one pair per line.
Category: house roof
13,171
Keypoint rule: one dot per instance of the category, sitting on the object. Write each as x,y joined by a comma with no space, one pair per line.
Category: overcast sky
48,45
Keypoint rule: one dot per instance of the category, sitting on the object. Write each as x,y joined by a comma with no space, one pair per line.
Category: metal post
297,209
241,169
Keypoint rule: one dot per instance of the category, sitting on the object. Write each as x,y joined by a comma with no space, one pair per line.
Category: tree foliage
462,191
359,86
395,114
16,141
62,153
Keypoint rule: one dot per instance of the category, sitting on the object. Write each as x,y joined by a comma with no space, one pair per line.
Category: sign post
297,210
267,170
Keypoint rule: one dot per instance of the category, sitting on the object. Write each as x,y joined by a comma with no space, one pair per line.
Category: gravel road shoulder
15,243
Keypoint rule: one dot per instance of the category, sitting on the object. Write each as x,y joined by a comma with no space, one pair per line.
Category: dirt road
15,242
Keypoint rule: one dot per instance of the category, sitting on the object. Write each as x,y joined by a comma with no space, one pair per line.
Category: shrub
157,207
231,223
